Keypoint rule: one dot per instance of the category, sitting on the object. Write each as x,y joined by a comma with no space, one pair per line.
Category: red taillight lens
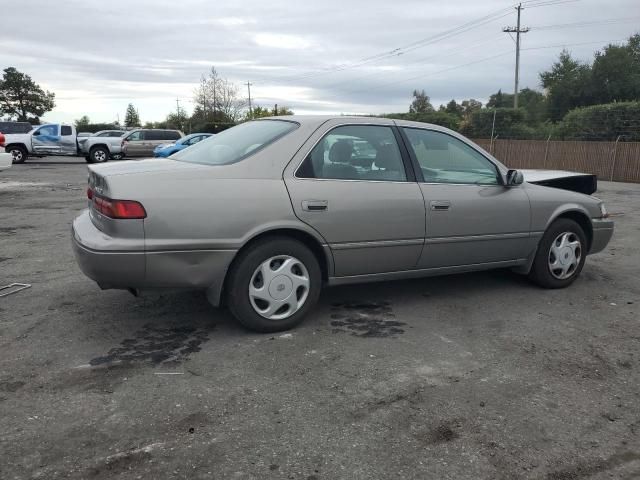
89,193
120,209
2,140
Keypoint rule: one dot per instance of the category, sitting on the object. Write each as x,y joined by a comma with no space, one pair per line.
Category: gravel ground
479,376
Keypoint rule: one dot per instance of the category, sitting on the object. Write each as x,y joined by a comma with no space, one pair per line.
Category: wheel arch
310,239
572,212
16,144
581,217
96,145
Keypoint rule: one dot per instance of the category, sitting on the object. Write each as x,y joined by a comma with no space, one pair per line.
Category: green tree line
599,100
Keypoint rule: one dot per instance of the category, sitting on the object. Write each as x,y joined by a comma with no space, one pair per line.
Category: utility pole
177,105
517,30
249,92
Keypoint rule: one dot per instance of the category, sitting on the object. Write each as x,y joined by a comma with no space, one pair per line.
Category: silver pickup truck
102,146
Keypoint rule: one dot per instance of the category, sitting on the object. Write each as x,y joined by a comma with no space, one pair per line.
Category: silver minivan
142,142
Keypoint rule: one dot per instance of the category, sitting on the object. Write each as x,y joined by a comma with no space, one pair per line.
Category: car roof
320,119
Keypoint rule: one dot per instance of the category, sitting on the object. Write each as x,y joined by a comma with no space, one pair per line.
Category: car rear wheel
18,154
561,255
274,284
98,155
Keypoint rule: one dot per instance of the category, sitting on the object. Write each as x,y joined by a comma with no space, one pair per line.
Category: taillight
2,140
89,193
119,209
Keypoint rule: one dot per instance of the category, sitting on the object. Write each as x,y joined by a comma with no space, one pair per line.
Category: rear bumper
174,269
602,233
95,254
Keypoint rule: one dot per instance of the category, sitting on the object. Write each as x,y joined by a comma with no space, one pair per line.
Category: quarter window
445,159
356,152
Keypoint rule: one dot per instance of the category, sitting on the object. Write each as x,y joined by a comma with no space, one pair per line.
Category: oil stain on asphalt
156,344
365,319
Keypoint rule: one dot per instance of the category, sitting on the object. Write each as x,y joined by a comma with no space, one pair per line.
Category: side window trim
409,168
416,163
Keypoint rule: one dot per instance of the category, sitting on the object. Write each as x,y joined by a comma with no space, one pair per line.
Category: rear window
237,143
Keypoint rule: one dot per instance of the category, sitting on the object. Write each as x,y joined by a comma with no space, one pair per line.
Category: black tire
98,155
541,271
19,153
242,271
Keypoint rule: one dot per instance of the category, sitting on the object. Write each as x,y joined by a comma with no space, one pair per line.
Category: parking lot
477,376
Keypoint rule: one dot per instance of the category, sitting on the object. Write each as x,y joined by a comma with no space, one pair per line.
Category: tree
470,106
616,72
178,119
453,108
568,85
421,103
216,100
603,122
259,112
500,100
281,110
131,117
82,123
22,98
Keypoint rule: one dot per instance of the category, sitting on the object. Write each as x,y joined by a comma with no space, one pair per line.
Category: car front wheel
561,255
98,155
274,284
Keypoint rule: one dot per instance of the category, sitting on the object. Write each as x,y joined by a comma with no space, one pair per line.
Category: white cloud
279,40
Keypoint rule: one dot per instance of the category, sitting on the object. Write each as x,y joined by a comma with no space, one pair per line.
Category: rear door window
356,152
65,130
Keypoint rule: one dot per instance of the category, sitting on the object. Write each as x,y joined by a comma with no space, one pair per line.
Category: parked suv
15,127
142,142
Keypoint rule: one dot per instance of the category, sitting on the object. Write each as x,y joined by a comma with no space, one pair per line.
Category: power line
408,47
430,74
610,21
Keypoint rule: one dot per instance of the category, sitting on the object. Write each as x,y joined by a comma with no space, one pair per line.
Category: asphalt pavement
474,376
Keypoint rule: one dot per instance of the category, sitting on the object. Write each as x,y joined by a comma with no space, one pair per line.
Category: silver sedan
264,214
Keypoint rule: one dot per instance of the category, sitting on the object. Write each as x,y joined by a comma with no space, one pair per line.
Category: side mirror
514,177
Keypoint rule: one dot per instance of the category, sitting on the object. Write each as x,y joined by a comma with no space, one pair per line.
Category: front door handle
440,205
315,205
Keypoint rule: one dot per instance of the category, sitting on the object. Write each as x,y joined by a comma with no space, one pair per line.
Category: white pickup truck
49,139
103,145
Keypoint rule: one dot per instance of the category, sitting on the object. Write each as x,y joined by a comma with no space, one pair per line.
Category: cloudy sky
329,56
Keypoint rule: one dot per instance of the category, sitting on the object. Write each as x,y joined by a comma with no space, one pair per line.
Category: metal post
546,152
249,92
493,127
615,157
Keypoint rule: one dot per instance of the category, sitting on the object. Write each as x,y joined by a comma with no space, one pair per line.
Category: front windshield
236,143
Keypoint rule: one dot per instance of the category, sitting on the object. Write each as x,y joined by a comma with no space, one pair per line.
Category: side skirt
427,272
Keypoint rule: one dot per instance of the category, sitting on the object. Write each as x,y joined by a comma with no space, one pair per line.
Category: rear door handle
440,205
315,205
